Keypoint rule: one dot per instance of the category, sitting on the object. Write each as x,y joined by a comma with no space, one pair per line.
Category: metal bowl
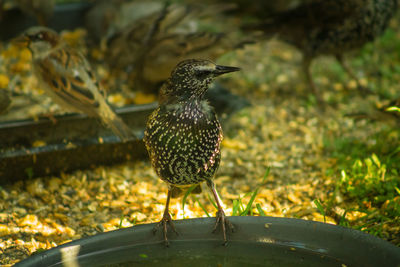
257,241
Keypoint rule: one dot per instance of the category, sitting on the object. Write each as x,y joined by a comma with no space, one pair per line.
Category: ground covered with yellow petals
283,130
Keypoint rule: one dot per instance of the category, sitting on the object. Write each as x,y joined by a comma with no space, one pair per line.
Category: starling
329,27
183,135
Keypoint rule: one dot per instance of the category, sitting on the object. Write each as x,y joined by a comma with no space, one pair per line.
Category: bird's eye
201,74
37,37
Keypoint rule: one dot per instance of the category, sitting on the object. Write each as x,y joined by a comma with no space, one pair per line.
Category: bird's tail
116,124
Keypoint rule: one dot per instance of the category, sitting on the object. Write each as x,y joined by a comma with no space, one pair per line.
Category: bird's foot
225,224
166,219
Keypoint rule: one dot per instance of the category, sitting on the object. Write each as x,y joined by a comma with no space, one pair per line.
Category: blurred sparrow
151,46
68,79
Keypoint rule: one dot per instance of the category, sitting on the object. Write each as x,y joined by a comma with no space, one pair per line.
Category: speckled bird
183,135
330,27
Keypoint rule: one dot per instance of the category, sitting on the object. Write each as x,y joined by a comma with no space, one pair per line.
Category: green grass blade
250,204
121,219
266,174
235,209
343,221
320,208
248,209
260,210
201,206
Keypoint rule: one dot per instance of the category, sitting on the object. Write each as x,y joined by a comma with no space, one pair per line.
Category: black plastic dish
72,143
257,241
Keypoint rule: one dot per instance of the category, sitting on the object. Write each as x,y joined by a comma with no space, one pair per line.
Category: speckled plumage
184,142
183,135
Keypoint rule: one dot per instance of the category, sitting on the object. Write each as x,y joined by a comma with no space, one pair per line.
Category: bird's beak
21,41
219,69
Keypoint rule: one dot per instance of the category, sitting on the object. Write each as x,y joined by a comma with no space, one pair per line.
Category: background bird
329,27
152,45
183,135
68,79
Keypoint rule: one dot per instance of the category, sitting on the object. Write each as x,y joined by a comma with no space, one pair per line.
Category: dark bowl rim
345,244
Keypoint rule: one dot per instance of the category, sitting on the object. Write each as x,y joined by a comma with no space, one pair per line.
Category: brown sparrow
67,77
153,45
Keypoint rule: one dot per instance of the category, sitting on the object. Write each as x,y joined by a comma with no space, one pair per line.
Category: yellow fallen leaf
4,230
234,144
29,220
25,55
39,143
142,98
4,80
20,66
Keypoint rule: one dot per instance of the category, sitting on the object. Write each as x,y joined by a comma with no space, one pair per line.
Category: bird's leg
307,72
220,215
166,219
350,72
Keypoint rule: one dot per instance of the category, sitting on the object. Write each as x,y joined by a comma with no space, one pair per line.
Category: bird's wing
170,49
184,44
69,76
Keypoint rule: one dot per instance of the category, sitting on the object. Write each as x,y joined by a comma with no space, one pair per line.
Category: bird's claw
166,219
224,222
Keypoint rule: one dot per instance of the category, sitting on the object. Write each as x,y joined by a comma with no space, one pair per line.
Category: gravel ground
282,130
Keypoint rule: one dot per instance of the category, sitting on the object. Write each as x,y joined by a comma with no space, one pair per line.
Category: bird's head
191,78
39,40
